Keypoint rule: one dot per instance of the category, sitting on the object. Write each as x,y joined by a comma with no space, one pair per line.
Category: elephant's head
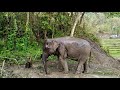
49,47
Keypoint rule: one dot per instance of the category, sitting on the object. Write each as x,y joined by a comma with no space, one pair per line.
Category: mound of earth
100,60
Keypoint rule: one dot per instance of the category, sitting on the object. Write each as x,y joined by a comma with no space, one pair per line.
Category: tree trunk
27,22
45,34
16,29
34,28
52,34
82,17
76,21
27,32
6,35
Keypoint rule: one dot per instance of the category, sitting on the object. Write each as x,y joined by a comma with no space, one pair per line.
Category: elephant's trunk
44,60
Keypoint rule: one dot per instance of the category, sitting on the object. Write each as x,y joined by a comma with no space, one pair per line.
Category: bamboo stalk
2,67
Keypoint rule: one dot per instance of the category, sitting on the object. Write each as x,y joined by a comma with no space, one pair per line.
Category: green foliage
112,14
54,22
15,42
1,44
21,55
52,58
83,33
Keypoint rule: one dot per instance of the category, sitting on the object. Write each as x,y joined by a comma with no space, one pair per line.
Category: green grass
112,46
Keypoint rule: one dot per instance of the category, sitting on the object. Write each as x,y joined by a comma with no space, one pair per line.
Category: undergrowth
20,56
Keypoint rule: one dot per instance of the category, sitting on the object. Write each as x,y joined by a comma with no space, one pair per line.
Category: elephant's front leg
59,66
64,64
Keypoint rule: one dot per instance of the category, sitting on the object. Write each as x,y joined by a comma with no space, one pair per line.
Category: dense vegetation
22,33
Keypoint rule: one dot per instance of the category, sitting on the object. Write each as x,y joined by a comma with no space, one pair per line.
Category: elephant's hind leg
81,62
85,67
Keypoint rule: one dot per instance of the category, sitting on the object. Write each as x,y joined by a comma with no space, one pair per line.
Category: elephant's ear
55,44
62,50
44,44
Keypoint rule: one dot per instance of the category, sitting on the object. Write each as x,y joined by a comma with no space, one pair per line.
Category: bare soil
37,71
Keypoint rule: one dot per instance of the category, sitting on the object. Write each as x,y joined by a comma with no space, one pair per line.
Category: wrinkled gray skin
67,47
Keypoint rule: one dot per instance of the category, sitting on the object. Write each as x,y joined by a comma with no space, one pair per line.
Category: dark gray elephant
67,47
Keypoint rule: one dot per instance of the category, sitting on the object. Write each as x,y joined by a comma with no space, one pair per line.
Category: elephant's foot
60,70
65,72
78,72
85,72
47,73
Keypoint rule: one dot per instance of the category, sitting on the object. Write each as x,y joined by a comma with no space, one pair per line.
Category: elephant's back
70,40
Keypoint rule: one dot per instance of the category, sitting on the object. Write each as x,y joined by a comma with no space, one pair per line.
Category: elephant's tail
90,56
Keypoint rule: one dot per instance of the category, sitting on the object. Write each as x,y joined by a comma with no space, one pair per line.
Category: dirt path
37,72
32,73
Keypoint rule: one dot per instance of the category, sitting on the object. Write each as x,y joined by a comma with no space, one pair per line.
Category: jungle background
22,35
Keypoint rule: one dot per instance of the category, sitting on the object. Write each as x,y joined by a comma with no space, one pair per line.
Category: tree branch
79,16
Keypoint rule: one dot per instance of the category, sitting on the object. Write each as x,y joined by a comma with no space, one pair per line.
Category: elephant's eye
46,43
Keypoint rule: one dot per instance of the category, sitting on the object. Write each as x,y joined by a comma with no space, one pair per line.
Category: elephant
67,47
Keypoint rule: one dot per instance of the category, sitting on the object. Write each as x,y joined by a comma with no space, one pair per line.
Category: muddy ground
37,71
